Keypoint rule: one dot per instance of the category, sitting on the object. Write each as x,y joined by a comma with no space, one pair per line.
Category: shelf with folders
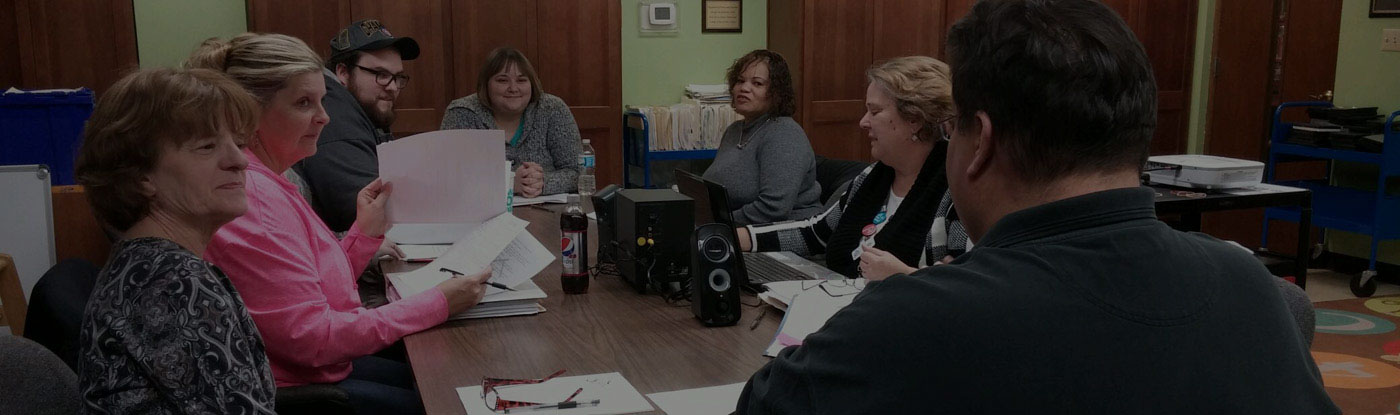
1374,213
678,132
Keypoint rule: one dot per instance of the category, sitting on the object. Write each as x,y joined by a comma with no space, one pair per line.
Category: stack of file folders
708,94
686,126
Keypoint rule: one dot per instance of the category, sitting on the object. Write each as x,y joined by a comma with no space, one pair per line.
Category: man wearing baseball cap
364,76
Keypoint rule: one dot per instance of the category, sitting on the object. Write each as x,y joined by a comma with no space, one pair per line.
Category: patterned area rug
1357,348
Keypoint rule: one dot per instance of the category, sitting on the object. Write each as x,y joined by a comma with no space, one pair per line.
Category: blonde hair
262,63
922,88
140,115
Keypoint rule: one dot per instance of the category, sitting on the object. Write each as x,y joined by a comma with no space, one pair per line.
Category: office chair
56,308
36,381
12,296
835,176
55,320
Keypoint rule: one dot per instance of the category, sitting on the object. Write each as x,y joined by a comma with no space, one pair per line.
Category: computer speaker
714,284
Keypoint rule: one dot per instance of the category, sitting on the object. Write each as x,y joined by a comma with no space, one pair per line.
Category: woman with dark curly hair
765,160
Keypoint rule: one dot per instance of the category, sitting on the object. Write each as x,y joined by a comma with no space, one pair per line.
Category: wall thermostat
658,16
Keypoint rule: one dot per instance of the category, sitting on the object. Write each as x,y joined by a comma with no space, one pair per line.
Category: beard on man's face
369,102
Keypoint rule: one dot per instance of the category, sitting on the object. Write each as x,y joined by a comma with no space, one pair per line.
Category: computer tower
653,230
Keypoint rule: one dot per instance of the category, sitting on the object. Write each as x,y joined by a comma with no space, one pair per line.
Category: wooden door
907,28
1259,63
837,37
74,43
313,21
481,26
579,59
10,70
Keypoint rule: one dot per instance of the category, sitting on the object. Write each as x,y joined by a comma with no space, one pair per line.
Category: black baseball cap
370,34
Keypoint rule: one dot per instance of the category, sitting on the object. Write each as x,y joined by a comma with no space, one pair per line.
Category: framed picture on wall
725,16
1385,8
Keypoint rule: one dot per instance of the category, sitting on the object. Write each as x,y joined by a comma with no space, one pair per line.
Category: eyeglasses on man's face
383,78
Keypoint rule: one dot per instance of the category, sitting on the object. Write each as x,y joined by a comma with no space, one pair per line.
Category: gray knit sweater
773,177
550,137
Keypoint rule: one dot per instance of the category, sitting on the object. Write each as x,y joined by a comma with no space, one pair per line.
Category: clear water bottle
587,183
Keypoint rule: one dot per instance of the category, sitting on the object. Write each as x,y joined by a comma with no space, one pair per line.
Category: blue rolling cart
636,150
1372,213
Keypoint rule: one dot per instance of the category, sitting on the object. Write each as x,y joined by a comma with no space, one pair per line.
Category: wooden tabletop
658,347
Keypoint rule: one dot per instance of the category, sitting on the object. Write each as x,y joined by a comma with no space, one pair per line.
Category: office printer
1203,172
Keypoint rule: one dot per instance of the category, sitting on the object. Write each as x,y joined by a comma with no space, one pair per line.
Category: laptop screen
711,199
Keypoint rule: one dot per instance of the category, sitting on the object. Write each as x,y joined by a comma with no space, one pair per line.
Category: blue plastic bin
44,128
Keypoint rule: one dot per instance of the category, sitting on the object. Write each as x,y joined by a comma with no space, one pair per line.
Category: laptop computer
712,206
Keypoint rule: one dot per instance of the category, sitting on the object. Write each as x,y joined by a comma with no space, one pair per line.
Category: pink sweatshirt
298,282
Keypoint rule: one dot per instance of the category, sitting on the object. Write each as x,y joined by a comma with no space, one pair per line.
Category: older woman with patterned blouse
166,332
541,137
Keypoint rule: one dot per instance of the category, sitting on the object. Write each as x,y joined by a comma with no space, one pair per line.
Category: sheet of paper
807,313
614,394
519,262
506,311
700,401
470,255
430,233
507,303
554,198
444,177
1259,189
423,253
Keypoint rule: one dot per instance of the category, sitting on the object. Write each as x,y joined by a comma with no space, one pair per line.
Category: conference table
656,346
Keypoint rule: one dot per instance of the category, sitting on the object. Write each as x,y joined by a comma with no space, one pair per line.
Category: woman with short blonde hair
897,214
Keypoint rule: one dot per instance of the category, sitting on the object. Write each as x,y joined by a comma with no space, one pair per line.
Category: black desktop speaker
714,284
604,204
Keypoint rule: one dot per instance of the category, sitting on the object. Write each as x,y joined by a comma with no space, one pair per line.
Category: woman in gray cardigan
542,139
765,160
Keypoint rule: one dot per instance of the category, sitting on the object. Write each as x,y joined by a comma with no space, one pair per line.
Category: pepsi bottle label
570,253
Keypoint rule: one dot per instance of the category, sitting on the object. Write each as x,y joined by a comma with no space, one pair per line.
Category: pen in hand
493,284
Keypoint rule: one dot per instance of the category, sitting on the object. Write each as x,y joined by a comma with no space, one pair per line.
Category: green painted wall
168,30
656,69
1365,77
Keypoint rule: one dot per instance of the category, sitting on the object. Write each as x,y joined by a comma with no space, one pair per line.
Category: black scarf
907,231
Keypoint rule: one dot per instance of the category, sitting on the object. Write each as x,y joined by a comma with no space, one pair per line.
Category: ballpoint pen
561,405
493,284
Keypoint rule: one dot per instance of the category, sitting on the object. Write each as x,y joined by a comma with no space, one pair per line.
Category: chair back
834,174
35,381
56,308
11,296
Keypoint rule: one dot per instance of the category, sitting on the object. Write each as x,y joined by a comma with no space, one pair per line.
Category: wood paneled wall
66,43
575,46
830,43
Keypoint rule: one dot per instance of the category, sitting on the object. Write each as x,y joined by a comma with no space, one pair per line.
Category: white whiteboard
26,221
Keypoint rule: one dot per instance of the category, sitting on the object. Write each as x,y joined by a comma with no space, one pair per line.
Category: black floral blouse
166,333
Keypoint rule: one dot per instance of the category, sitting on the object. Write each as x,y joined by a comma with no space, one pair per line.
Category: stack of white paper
808,312
502,243
613,393
700,401
527,201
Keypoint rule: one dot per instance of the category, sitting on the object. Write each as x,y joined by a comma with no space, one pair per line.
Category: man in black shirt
364,77
1076,298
